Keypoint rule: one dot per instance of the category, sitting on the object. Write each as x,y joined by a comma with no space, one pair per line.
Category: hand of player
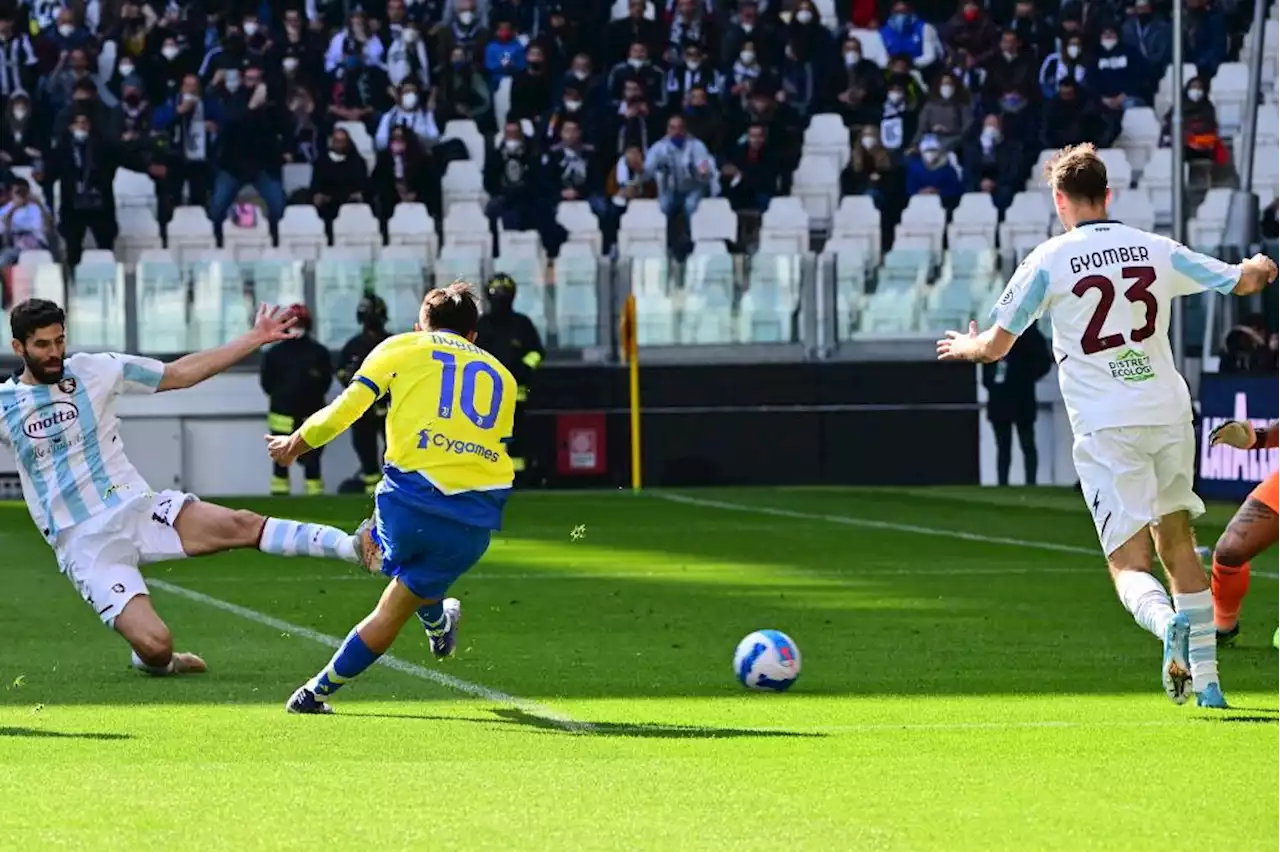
285,449
957,345
1233,433
1261,271
273,324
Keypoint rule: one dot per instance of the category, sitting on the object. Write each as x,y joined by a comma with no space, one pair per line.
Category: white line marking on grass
891,526
403,666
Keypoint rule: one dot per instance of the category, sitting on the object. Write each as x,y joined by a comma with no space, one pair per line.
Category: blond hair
1078,173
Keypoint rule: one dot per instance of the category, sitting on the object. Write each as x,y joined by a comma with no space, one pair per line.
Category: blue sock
283,537
432,616
352,658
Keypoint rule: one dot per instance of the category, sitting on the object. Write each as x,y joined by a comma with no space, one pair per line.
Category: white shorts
1132,476
101,556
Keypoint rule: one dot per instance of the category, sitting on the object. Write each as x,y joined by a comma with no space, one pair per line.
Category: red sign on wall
580,442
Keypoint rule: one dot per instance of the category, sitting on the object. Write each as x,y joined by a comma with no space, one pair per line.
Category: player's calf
208,528
151,641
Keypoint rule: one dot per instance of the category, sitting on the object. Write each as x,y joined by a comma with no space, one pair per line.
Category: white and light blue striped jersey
1107,288
66,438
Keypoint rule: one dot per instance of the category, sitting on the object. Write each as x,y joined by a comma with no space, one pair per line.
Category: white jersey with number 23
1107,288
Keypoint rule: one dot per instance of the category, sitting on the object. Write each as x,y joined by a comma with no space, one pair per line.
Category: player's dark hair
1078,173
32,315
453,308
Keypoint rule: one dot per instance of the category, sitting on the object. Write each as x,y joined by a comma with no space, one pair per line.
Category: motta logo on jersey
1132,365
50,420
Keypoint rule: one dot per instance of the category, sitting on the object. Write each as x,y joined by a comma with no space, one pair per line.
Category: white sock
1142,594
1203,645
158,671
294,538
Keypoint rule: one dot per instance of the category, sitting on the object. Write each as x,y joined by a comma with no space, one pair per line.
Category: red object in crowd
864,15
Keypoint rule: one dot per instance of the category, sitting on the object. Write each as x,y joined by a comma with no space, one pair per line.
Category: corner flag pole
631,354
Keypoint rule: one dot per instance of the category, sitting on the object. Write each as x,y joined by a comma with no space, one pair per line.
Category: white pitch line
403,666
891,526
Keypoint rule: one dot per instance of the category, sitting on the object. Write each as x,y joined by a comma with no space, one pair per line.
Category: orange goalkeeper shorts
1266,494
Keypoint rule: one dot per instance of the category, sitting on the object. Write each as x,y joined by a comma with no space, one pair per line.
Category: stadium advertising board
1224,473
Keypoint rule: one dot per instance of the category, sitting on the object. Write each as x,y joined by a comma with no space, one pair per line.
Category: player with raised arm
94,508
1108,288
1251,531
445,481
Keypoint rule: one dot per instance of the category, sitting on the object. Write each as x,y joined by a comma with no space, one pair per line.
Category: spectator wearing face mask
1199,126
1069,62
1034,33
302,139
531,90
872,171
907,35
638,68
84,164
750,178
505,55
703,119
1151,35
901,74
685,171
463,28
624,182
947,114
1019,117
971,31
571,172
1011,69
135,112
232,54
930,172
636,123
465,93
359,91
807,37
18,60
297,51
353,41
188,124
410,113
898,120
745,73
527,17
72,70
21,137
635,28
512,180
402,173
1204,29
694,72
572,107
566,35
248,151
748,28
64,35
1117,75
993,163
87,97
164,69
785,129
800,80
407,58
1070,119
130,31
581,75
338,178
689,24
25,223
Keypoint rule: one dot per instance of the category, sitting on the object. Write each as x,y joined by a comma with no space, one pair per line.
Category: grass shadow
511,716
37,733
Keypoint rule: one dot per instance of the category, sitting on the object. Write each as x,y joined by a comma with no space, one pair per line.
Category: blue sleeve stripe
1024,313
1202,274
140,375
371,385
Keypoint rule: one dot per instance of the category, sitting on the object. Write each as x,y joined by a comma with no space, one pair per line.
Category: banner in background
1224,473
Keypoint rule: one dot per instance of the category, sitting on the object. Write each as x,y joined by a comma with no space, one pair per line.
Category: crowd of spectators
706,97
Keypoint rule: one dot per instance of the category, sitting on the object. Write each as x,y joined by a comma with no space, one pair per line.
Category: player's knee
245,527
1228,552
154,645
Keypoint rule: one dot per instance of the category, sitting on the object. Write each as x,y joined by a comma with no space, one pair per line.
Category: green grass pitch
970,683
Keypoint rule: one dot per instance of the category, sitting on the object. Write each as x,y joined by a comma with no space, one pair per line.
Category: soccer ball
767,660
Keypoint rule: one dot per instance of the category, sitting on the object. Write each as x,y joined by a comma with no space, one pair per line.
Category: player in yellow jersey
446,477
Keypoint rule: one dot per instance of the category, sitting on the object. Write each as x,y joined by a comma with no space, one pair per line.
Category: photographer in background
296,375
372,316
1011,401
513,339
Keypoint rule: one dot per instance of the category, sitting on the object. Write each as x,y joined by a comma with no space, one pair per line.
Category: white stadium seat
411,225
581,224
642,224
189,231
466,225
858,219
784,227
816,182
463,182
714,220
139,231
356,227
465,131
302,232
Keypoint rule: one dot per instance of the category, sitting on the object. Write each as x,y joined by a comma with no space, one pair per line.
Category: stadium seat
466,225
134,189
356,227
774,279
924,218
649,273
513,245
502,100
1228,92
577,303
948,304
412,226
1266,168
400,279
1119,173
1134,208
581,224
764,317
189,231
706,271
161,303
890,313
784,227
463,182
1157,180
139,231
706,318
343,274
872,45
1206,226
220,310
296,176
816,182
1164,93
903,269
858,220
1139,136
714,221
1267,132
465,131
96,304
1026,221
975,216
278,279
247,244
302,232
1270,50
465,261
827,136
643,223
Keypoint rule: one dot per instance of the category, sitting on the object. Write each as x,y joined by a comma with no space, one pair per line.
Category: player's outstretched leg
363,646
151,641
440,619
1251,531
209,528
1148,602
1175,543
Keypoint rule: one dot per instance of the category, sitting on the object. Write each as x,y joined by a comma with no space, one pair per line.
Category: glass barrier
95,308
340,284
